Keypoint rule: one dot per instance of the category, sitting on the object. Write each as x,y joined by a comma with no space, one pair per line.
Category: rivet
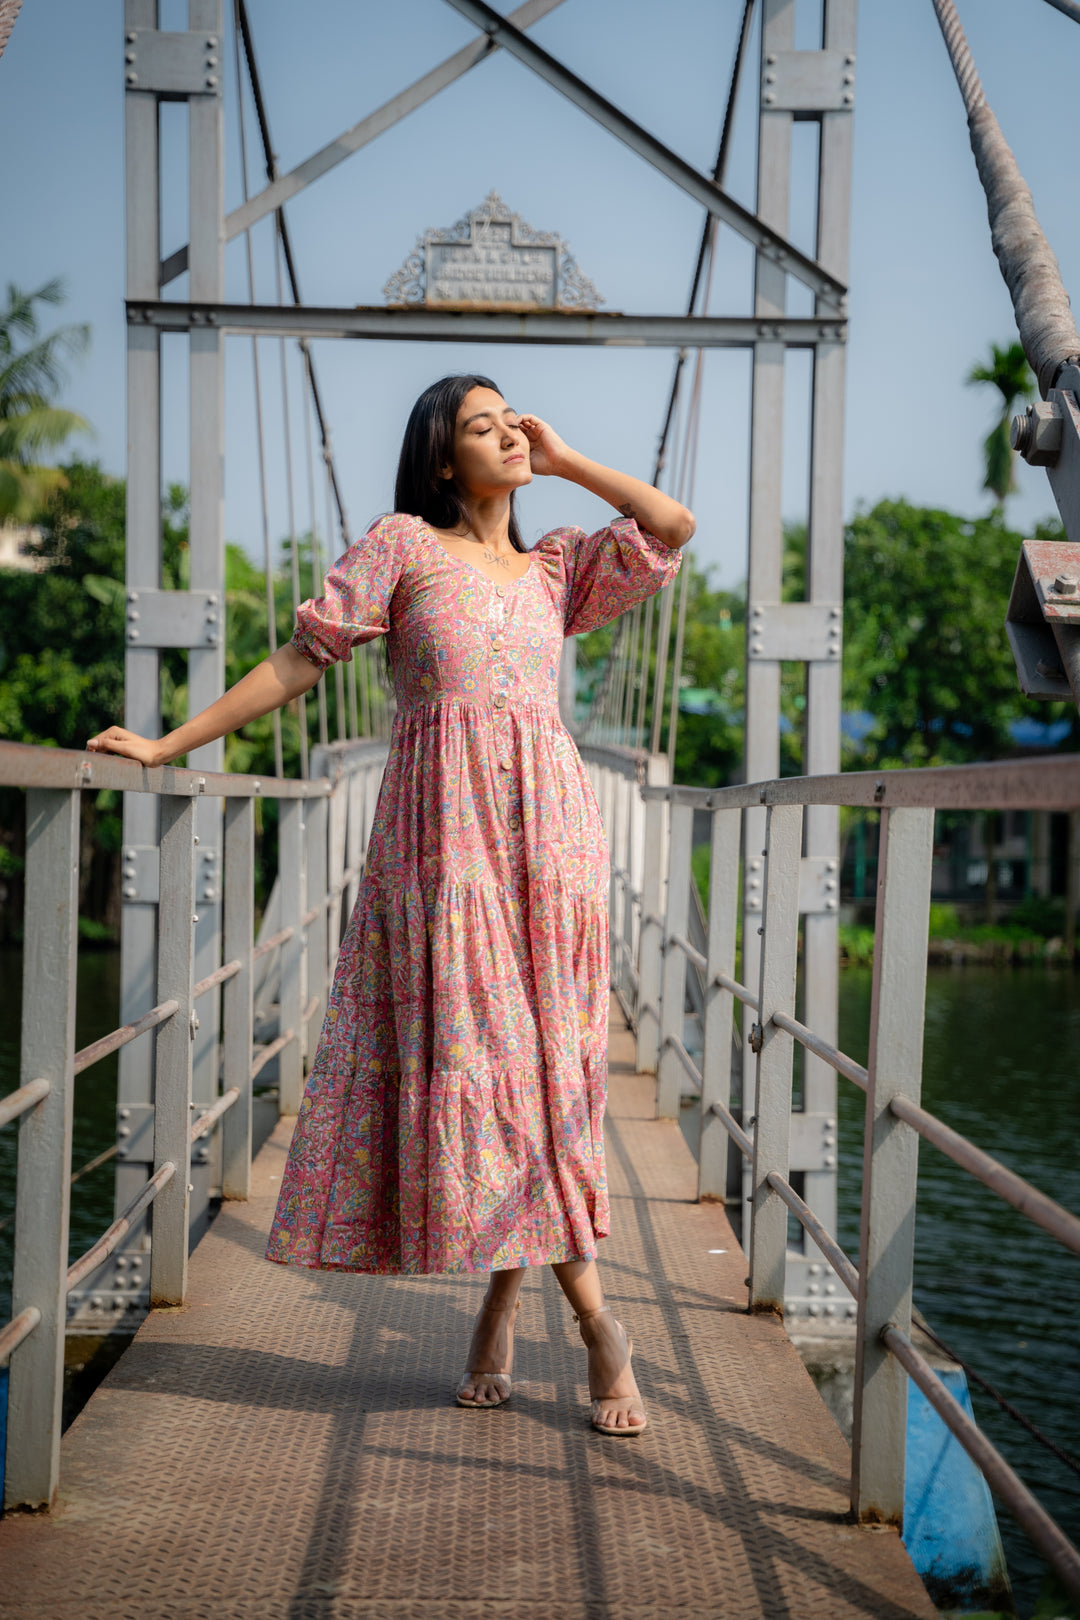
130,891
771,58
133,635
131,78
769,98
830,905
849,99
125,1113
131,36
129,56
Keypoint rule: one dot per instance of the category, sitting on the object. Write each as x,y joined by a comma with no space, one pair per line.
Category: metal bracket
1045,592
139,875
135,1134
794,632
819,883
173,618
812,1143
808,81
173,66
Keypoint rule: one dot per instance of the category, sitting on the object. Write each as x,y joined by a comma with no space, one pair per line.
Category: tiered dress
453,1117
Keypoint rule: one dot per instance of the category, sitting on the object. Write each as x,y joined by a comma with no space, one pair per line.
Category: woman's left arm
650,508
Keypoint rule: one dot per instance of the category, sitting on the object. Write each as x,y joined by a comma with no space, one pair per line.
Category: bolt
1049,671
1065,585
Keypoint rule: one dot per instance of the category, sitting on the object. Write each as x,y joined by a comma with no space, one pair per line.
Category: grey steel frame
313,858
652,961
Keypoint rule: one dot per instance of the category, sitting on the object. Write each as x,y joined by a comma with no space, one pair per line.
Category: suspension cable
1040,303
271,607
316,557
290,493
270,160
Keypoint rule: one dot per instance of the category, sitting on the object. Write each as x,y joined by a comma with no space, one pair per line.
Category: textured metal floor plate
284,1446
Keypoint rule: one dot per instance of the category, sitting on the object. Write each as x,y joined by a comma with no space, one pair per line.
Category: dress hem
439,1271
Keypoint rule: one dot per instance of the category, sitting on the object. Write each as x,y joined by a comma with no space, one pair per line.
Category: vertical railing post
890,1161
316,820
42,1199
337,814
772,1122
291,1000
239,881
673,995
720,953
173,1052
632,915
650,939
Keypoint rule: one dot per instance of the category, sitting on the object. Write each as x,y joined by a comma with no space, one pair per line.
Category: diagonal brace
612,118
285,186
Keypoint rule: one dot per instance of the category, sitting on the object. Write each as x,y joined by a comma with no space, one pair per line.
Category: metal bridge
297,1416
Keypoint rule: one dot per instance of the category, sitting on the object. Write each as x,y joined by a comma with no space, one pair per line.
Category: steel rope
271,606
9,10
316,558
290,494
1040,303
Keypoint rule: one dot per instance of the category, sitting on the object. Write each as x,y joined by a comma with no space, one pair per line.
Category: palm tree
30,376
1010,374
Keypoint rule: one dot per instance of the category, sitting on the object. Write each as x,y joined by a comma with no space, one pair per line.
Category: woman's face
491,453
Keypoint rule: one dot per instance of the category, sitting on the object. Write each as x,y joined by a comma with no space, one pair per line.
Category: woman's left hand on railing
115,740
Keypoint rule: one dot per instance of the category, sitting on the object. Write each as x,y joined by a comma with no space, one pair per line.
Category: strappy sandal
501,1376
598,1400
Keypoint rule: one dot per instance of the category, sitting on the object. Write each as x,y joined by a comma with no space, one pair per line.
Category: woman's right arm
282,676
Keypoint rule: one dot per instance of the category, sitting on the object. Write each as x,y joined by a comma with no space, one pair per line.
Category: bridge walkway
284,1447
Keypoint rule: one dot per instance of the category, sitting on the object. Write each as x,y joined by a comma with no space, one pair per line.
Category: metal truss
421,325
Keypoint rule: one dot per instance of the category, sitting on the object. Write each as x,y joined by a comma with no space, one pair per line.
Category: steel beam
775,1048
173,1053
714,1151
890,1163
766,238
42,1191
239,927
142,665
286,186
825,585
420,325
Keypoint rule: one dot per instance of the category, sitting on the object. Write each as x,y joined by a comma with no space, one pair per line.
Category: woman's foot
616,1400
491,1355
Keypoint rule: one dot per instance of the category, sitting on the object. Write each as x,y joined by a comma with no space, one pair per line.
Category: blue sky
926,294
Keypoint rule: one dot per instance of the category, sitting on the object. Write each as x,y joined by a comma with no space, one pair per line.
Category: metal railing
323,824
650,831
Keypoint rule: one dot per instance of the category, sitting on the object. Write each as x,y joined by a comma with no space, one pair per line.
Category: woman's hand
549,456
115,740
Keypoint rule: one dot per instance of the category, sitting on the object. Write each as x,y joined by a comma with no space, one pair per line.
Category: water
1000,1066
97,1012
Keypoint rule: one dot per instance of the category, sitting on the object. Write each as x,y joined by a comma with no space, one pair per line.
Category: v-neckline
463,562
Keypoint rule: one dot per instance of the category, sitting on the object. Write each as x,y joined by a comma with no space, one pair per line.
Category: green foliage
31,374
944,920
926,653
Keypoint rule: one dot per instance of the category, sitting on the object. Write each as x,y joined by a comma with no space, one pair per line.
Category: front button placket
498,678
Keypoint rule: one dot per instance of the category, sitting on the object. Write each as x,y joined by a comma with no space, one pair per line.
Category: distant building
16,543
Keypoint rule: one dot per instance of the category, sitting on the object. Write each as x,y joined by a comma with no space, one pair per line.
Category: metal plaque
491,259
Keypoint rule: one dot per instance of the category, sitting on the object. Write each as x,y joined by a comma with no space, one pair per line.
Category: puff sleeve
355,604
612,570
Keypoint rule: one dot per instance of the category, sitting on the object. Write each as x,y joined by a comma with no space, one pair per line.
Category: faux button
500,590
504,765
499,700
496,646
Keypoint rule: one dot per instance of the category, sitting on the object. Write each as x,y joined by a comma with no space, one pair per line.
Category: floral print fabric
453,1117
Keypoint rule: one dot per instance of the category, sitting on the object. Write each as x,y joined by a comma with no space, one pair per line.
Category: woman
452,1120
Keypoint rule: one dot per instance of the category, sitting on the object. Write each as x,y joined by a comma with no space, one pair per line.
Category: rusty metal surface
285,1445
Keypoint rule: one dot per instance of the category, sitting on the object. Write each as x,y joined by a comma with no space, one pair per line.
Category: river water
1000,1065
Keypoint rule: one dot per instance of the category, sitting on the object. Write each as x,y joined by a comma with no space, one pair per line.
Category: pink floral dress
453,1117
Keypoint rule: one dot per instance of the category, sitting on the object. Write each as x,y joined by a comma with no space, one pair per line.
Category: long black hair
427,447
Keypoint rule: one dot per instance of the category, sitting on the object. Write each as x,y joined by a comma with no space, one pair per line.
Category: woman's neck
489,524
